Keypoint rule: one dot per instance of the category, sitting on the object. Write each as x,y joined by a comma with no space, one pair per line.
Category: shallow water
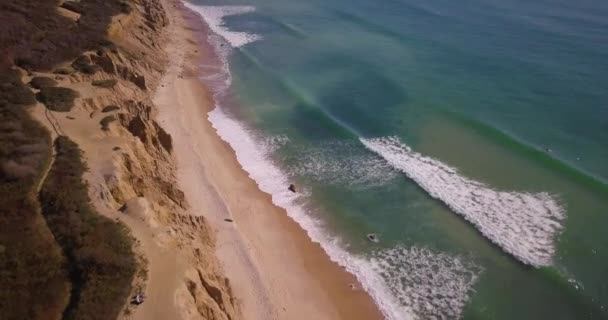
470,137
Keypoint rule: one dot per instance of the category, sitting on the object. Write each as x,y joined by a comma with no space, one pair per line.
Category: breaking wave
522,224
214,17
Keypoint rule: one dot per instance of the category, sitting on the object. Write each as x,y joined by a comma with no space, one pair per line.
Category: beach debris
228,220
352,286
373,237
138,299
292,188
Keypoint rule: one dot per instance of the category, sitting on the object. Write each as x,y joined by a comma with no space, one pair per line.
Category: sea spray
523,224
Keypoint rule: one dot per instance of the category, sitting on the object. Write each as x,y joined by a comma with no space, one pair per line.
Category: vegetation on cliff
69,247
33,282
65,262
101,264
57,98
35,36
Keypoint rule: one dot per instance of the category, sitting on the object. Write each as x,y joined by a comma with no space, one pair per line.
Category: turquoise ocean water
470,136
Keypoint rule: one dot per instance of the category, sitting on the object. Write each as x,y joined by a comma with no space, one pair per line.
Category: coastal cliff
93,67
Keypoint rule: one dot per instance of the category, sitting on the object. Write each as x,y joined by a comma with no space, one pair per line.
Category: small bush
57,98
64,71
105,43
81,61
108,84
73,6
24,63
90,69
105,122
125,7
40,82
84,65
110,108
13,91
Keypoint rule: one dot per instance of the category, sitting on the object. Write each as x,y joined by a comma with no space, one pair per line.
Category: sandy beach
275,271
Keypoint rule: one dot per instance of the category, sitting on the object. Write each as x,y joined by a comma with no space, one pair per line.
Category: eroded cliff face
131,173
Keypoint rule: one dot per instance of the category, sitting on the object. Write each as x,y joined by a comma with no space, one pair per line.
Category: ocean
470,137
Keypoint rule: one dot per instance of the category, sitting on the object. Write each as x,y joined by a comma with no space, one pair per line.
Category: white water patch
341,163
274,143
433,285
214,17
254,159
523,224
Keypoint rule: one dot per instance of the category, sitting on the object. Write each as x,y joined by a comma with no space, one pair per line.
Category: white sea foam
523,224
405,283
433,285
343,163
214,17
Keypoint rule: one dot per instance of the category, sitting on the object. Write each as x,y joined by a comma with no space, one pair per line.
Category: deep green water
511,94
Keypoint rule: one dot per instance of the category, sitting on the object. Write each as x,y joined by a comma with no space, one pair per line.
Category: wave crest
214,17
523,224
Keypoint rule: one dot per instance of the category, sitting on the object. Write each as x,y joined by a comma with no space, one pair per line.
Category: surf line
523,224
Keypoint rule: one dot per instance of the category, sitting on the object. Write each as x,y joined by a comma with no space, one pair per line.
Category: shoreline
276,270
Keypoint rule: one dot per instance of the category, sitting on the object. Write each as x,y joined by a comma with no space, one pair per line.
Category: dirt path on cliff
164,275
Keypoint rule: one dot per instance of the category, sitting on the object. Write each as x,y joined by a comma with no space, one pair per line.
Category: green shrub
110,108
40,82
57,98
99,250
110,83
